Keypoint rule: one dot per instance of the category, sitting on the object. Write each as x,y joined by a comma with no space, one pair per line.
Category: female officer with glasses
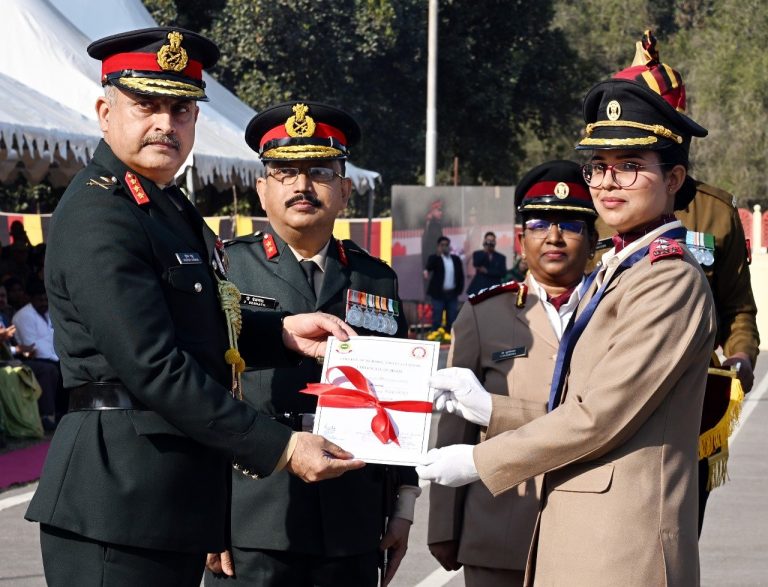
618,445
508,337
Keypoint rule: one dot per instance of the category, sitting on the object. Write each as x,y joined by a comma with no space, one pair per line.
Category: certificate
374,398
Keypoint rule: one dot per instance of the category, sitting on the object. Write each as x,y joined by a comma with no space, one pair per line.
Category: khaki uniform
495,532
620,504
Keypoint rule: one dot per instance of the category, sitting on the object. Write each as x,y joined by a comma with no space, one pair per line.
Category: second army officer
286,532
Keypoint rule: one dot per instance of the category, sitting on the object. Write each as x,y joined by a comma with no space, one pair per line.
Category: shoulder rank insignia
134,185
102,181
665,248
342,253
270,248
494,290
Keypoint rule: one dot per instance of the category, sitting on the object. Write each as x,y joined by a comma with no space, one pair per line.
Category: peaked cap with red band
302,130
159,61
556,186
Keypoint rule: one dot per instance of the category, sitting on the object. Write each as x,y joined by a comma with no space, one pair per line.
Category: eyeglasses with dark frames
570,229
624,174
288,175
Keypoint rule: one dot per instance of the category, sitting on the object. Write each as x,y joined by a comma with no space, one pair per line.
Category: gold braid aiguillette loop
229,297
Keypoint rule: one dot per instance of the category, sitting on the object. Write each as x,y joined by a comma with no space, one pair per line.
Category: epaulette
247,239
494,290
352,247
721,195
665,248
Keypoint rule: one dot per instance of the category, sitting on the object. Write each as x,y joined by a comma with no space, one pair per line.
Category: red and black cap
294,131
555,186
648,70
159,61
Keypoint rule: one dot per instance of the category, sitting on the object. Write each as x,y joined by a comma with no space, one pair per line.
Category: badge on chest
255,301
519,351
372,312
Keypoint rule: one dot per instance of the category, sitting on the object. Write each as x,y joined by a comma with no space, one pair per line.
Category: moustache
309,198
161,139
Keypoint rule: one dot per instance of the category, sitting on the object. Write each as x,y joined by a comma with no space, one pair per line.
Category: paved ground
734,544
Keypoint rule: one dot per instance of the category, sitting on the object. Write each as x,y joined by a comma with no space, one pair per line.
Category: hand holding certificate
374,397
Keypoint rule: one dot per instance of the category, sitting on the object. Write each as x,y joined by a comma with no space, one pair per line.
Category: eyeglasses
624,174
288,175
570,229
489,244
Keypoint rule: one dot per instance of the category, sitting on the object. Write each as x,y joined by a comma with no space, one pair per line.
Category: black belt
102,396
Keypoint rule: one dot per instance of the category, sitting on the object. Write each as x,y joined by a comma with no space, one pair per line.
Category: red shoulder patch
494,290
134,185
342,253
270,248
665,248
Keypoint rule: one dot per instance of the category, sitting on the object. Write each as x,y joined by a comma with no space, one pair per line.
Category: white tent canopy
42,134
47,53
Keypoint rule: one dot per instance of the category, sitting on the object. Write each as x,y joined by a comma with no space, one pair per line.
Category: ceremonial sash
578,323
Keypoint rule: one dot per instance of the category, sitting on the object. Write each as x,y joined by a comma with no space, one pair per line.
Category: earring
592,255
523,256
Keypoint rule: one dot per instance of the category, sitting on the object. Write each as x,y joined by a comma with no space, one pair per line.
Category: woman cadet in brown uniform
618,445
507,336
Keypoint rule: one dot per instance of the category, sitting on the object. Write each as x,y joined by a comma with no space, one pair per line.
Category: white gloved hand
451,465
459,392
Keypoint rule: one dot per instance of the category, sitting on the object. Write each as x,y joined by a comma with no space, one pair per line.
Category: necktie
308,266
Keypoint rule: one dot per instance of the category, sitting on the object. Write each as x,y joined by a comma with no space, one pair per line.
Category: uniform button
198,287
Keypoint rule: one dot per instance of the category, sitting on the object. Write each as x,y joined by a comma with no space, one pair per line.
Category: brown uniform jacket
619,452
712,212
495,532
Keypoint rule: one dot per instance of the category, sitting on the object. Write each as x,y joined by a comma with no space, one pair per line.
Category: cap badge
562,190
613,110
173,57
300,125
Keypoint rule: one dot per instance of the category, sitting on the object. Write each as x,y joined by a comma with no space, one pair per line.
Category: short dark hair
443,238
489,233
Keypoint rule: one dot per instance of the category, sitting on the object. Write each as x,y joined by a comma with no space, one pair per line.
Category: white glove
451,465
459,392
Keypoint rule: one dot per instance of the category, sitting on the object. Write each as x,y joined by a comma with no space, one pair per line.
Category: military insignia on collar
270,248
300,125
664,248
613,110
562,190
173,57
102,181
134,185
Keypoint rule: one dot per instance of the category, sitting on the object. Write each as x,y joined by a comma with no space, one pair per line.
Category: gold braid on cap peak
162,86
656,129
305,151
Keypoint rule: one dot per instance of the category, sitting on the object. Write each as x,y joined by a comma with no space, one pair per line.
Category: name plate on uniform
374,398
257,301
519,351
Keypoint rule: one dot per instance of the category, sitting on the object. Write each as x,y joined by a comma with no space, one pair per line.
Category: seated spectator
17,263
16,295
33,324
34,333
6,311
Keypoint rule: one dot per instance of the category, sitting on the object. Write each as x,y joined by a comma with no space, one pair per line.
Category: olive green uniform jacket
337,517
133,300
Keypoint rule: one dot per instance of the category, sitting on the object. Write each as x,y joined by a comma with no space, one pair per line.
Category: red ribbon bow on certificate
362,396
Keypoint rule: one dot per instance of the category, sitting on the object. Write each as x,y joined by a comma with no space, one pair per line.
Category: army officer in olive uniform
285,532
135,487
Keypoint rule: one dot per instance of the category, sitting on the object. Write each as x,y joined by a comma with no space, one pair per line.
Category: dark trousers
272,568
70,559
48,375
451,307
703,493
